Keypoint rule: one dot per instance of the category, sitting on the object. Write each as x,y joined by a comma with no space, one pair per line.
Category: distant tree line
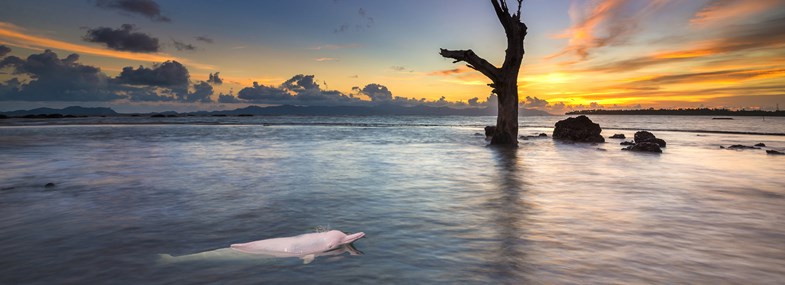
680,111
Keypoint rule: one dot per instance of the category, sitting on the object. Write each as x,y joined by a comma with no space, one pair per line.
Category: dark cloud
214,79
228,98
262,93
4,50
181,46
55,79
534,102
168,74
146,8
123,39
365,22
377,92
202,92
50,78
204,39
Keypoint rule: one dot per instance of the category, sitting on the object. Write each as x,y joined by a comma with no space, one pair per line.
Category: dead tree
505,79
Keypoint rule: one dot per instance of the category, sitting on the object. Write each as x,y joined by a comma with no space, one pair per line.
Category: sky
188,55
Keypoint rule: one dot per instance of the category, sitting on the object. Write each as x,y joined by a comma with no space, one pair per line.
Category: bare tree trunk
505,79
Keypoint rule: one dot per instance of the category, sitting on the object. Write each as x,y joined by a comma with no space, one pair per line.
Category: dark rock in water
539,136
739,147
578,129
627,143
618,136
158,116
644,147
478,134
601,149
490,130
774,152
760,144
49,185
644,136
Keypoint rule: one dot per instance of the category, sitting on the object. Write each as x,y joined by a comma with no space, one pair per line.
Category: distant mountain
380,110
73,110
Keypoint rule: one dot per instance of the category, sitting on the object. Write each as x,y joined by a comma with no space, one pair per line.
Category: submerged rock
618,136
627,143
760,144
774,152
543,135
49,185
741,147
490,130
644,147
578,129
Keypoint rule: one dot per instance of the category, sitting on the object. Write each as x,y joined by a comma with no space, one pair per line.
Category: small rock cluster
645,141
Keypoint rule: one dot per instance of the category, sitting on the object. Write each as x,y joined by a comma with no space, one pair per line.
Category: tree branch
475,62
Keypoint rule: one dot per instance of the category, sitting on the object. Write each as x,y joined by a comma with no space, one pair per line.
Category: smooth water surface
436,203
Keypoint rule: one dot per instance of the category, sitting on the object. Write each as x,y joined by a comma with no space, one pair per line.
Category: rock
478,134
490,130
578,129
740,147
543,135
49,185
601,149
774,152
644,136
618,136
760,144
627,143
644,147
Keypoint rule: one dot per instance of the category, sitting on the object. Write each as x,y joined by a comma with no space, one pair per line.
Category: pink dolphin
306,246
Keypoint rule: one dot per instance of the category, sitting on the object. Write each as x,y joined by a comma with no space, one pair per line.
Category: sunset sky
580,54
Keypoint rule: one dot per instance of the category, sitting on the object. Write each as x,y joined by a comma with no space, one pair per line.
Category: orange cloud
719,11
13,35
607,15
448,72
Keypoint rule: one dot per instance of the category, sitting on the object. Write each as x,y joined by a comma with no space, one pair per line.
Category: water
437,205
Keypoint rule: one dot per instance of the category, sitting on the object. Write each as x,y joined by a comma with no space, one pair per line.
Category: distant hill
681,112
73,110
381,110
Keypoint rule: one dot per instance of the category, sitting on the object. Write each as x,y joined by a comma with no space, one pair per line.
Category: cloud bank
146,8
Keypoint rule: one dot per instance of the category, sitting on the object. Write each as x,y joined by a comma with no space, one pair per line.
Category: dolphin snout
353,237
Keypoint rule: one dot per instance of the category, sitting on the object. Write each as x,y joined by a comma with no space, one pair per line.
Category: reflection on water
436,203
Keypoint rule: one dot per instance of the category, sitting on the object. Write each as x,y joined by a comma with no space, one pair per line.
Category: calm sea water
436,203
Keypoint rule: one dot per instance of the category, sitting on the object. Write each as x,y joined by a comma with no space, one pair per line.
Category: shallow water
437,205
